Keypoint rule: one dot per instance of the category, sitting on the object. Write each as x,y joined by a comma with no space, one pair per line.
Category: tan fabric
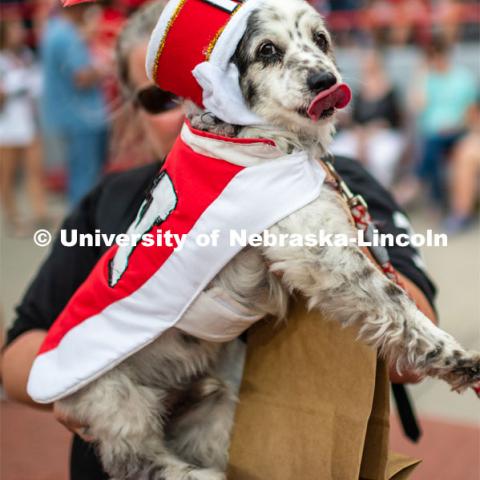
313,406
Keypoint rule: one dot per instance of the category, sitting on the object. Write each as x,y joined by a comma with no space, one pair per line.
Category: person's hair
128,139
437,47
137,30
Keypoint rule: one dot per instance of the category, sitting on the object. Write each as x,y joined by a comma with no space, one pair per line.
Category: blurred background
414,66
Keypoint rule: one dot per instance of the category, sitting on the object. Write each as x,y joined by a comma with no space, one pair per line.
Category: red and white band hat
190,50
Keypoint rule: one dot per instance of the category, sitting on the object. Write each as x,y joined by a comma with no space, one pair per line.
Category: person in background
465,175
440,98
19,143
375,138
158,115
73,107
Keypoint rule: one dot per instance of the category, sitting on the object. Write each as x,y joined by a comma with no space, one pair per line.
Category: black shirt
386,108
112,206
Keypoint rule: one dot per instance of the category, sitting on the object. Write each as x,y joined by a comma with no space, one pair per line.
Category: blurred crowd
400,21
422,141
65,119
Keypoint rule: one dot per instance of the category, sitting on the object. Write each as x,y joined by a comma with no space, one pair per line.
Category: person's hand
404,377
71,424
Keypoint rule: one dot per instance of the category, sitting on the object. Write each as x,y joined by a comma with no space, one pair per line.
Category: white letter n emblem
155,209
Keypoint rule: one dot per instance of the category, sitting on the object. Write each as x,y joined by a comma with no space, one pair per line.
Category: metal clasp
352,200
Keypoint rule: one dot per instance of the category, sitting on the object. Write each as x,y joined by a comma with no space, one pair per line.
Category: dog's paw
461,370
173,472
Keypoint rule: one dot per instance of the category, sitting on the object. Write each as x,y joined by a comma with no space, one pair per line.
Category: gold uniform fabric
314,405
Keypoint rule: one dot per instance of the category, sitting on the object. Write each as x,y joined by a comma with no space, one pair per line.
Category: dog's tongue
338,96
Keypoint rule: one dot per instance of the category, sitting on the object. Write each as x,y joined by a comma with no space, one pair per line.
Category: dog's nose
321,81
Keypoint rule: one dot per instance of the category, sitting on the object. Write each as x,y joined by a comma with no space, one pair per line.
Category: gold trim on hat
164,38
211,46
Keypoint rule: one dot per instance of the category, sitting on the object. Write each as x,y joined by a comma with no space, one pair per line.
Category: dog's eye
321,40
267,49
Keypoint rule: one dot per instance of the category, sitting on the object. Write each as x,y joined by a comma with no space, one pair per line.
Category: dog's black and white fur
162,412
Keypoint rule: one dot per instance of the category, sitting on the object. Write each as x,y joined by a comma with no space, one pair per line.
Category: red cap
185,37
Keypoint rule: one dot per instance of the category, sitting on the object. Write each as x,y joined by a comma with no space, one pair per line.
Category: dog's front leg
344,284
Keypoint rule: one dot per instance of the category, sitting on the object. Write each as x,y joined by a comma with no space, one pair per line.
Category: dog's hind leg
344,284
122,417
126,421
199,431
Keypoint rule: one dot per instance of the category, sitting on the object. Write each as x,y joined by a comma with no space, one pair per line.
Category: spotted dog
162,414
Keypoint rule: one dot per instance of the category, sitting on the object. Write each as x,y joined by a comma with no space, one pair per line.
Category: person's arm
426,308
417,95
17,360
75,59
56,281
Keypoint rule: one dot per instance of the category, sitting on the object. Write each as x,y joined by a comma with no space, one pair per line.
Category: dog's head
287,69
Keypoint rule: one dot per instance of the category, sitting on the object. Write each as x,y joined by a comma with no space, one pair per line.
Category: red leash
363,221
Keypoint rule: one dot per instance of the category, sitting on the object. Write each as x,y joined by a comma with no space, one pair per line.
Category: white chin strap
219,78
222,95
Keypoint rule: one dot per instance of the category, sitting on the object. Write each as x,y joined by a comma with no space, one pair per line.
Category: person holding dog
360,407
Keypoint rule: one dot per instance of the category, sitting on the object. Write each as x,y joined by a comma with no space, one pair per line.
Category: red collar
241,141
